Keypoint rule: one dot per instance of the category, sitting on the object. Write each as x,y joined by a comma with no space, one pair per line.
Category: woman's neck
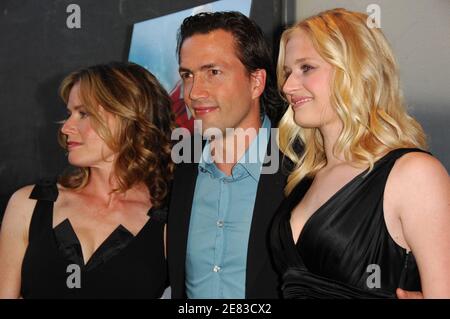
330,134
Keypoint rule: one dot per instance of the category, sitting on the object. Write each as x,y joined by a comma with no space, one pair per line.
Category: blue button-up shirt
220,223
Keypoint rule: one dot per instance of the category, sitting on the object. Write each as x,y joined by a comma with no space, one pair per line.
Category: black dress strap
46,190
46,193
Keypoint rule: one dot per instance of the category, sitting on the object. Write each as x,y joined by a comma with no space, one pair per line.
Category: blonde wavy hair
142,109
365,92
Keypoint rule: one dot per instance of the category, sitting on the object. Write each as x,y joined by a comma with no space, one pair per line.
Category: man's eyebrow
182,69
208,66
202,68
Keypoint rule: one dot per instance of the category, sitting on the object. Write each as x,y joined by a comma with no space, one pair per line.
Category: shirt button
216,268
220,223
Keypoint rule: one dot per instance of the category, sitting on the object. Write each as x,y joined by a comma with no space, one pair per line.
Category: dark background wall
38,49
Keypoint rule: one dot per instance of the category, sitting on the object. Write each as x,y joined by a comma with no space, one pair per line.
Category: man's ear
258,79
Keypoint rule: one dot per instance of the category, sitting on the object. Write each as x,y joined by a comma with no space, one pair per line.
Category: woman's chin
304,124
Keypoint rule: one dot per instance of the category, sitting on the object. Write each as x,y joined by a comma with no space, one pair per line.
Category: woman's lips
72,144
296,102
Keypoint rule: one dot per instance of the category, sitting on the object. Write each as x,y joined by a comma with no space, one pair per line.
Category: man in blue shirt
221,206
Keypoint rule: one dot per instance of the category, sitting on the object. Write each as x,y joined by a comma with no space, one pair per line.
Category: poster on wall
153,46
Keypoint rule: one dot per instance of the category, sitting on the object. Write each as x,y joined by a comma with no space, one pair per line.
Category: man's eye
185,75
215,72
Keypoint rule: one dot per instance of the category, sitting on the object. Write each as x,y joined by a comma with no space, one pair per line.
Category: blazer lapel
268,197
178,225
181,198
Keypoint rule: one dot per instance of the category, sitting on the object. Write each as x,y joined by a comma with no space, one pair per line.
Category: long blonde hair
143,111
365,92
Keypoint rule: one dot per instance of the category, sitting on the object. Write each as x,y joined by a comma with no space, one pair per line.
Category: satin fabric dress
344,250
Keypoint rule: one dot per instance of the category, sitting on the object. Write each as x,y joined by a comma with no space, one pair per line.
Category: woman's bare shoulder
17,217
21,200
419,170
419,185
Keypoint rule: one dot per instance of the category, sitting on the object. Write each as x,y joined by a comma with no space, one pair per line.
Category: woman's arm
14,241
422,197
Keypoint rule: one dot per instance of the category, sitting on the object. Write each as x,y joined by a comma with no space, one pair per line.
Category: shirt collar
251,161
254,156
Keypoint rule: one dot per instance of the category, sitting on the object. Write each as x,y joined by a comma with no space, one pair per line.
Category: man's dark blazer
261,278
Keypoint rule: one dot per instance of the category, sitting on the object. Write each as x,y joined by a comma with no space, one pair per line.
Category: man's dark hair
251,49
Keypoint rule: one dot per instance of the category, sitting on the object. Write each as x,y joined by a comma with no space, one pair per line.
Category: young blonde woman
367,208
99,231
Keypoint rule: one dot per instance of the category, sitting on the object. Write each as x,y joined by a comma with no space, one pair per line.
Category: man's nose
198,89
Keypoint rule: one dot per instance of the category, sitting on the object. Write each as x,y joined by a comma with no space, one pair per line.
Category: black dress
124,266
344,250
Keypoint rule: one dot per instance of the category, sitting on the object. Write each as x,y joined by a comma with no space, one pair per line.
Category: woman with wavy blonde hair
99,231
367,208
